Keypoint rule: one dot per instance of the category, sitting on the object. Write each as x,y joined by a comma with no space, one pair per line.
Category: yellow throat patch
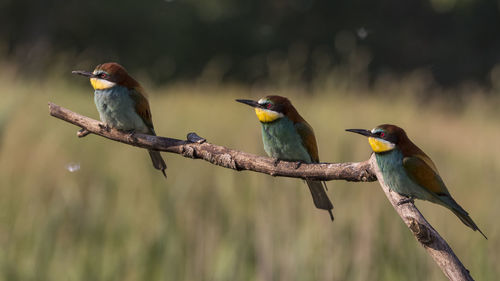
379,145
266,116
101,84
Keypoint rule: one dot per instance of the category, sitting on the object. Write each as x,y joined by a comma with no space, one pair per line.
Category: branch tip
193,137
82,133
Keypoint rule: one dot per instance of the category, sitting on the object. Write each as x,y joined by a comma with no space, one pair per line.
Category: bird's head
383,138
272,108
108,75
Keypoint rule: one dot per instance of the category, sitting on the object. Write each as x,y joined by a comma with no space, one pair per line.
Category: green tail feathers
158,162
465,218
320,198
451,204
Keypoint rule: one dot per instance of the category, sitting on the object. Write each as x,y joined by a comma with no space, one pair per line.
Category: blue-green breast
396,177
117,109
282,141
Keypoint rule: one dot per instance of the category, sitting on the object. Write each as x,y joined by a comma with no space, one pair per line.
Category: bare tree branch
219,155
197,148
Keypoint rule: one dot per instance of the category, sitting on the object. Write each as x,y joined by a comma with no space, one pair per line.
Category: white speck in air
73,167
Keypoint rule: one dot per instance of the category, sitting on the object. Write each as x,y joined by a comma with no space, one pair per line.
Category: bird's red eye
382,135
103,75
268,105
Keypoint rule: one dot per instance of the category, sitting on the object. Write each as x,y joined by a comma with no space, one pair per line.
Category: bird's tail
158,162
320,198
460,213
465,218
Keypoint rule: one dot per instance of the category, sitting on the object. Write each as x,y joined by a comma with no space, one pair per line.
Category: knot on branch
188,152
421,232
226,160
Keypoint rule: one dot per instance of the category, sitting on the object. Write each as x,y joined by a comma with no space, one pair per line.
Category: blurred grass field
116,218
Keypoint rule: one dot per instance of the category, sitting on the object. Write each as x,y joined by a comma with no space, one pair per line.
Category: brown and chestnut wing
421,169
142,107
308,139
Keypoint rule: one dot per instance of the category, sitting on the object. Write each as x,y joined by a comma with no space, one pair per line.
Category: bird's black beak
83,73
249,102
361,132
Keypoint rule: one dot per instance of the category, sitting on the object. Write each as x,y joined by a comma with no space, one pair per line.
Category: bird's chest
282,141
396,177
117,109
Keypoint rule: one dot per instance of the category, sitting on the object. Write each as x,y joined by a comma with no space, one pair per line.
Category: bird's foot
82,133
297,165
131,136
194,138
104,127
276,161
406,201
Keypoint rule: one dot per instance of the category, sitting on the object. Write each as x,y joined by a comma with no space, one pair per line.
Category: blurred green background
93,209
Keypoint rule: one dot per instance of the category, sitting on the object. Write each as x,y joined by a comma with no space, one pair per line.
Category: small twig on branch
196,147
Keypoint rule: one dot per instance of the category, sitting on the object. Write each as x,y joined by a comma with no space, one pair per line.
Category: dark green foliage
454,39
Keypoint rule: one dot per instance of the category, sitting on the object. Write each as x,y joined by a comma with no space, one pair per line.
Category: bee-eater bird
409,171
122,103
287,136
